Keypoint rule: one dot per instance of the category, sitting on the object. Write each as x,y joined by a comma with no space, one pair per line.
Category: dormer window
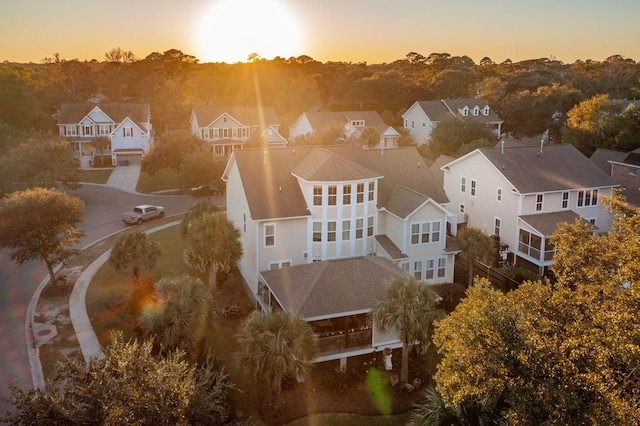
476,110
357,123
465,111
485,111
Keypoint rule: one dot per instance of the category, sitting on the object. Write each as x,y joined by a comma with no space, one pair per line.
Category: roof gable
325,166
115,112
260,116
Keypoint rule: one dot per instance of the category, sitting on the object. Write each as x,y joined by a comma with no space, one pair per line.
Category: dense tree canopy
41,224
134,250
553,353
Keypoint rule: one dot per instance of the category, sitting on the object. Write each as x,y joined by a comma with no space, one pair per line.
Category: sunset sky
372,31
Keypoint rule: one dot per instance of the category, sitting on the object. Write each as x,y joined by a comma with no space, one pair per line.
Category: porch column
343,364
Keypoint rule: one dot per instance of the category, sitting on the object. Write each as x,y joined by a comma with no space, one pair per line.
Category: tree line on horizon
531,96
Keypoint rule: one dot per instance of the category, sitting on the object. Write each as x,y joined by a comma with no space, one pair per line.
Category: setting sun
231,30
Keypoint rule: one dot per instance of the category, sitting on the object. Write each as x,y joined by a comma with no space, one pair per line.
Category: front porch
343,334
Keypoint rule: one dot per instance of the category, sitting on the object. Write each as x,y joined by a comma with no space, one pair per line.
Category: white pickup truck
141,213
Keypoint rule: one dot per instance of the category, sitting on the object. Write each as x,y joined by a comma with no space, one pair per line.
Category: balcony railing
336,342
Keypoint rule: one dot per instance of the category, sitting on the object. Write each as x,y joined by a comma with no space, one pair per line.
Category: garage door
126,159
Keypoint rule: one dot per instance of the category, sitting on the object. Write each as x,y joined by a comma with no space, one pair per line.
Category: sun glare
231,30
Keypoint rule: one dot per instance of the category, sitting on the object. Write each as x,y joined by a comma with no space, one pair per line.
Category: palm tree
475,246
135,250
101,143
179,317
275,344
409,308
193,213
212,243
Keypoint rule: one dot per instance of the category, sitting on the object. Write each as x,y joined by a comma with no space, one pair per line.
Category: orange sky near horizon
372,31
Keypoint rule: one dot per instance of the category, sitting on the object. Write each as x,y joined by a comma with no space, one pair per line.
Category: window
346,230
632,171
244,222
317,195
499,195
530,244
424,124
462,210
225,131
71,130
442,267
331,231
565,200
417,270
346,195
539,199
279,264
463,184
476,110
360,193
497,223
224,119
430,269
243,132
269,234
465,111
359,224
87,131
412,124
372,190
485,111
104,129
317,232
425,232
370,226
216,133
234,132
127,132
332,193
472,191
588,197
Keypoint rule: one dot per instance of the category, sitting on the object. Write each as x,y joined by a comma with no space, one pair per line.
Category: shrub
231,311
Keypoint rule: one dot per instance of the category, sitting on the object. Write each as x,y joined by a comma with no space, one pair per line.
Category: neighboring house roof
390,248
261,117
118,112
601,158
272,189
555,168
547,223
439,110
319,120
310,290
436,168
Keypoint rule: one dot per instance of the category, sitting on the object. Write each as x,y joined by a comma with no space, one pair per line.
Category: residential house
624,169
352,123
127,126
521,194
381,209
228,128
423,116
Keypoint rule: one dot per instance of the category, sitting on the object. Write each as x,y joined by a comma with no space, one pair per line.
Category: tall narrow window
372,188
331,231
360,193
332,194
430,269
473,187
463,184
442,267
346,230
497,224
499,195
359,225
565,200
317,195
417,270
269,234
370,226
346,195
127,132
317,232
539,200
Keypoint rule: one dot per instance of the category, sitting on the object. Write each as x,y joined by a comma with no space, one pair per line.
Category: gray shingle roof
547,223
74,113
272,190
310,290
443,108
558,167
601,158
319,120
260,117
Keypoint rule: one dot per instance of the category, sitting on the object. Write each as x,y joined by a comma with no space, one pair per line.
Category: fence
493,274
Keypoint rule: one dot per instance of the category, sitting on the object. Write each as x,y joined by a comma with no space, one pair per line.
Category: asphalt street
103,207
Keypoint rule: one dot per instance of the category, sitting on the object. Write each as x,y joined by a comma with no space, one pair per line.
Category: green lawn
164,180
95,176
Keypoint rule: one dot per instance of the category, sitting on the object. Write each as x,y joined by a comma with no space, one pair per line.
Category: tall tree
201,168
169,151
136,250
409,309
273,345
128,386
101,143
41,224
451,135
212,244
179,316
475,246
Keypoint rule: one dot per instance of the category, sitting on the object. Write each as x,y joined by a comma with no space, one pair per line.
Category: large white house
521,194
352,123
228,128
127,126
323,228
423,116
